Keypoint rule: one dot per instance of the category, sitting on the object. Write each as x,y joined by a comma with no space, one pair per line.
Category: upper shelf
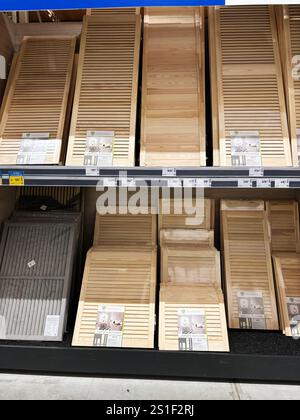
13,5
210,177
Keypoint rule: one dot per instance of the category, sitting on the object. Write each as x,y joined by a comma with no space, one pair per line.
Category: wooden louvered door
119,278
209,299
107,85
250,93
287,274
173,93
187,237
289,34
248,264
284,222
38,94
125,229
187,265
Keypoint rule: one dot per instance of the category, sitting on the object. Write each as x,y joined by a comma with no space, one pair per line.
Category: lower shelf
255,357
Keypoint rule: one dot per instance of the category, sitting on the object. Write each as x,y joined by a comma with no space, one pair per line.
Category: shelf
209,177
244,363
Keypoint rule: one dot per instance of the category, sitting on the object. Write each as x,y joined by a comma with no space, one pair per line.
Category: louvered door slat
116,10
117,277
249,93
248,264
173,93
287,274
209,299
284,222
106,87
289,34
38,94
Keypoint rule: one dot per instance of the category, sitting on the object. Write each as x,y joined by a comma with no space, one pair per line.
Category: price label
203,183
109,182
263,183
245,183
92,171
189,183
128,182
282,183
174,183
255,172
169,172
16,178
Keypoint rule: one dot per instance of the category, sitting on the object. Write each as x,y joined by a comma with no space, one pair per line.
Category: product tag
203,183
31,264
16,178
92,171
245,183
251,310
256,172
192,332
169,172
263,183
109,326
99,148
245,148
174,183
298,144
189,182
293,305
128,182
52,326
110,182
38,149
44,208
282,183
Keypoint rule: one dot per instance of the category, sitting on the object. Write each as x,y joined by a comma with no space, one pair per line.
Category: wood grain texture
288,19
37,99
6,50
207,298
287,275
187,237
249,91
283,217
247,261
181,265
119,277
173,92
117,10
106,88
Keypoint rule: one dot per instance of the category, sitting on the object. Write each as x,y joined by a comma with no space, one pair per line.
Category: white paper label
203,183
245,183
263,183
38,152
245,148
282,183
251,310
109,182
192,333
298,145
109,326
174,183
293,306
169,172
92,171
52,326
128,182
189,182
31,264
99,149
255,172
43,208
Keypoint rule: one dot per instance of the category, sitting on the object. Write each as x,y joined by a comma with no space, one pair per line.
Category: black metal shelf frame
214,177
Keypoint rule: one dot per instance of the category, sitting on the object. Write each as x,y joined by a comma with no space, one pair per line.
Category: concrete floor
27,387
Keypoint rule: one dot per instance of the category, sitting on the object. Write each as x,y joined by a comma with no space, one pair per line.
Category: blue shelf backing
18,5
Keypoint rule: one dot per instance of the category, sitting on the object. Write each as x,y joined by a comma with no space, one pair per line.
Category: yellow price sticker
16,179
